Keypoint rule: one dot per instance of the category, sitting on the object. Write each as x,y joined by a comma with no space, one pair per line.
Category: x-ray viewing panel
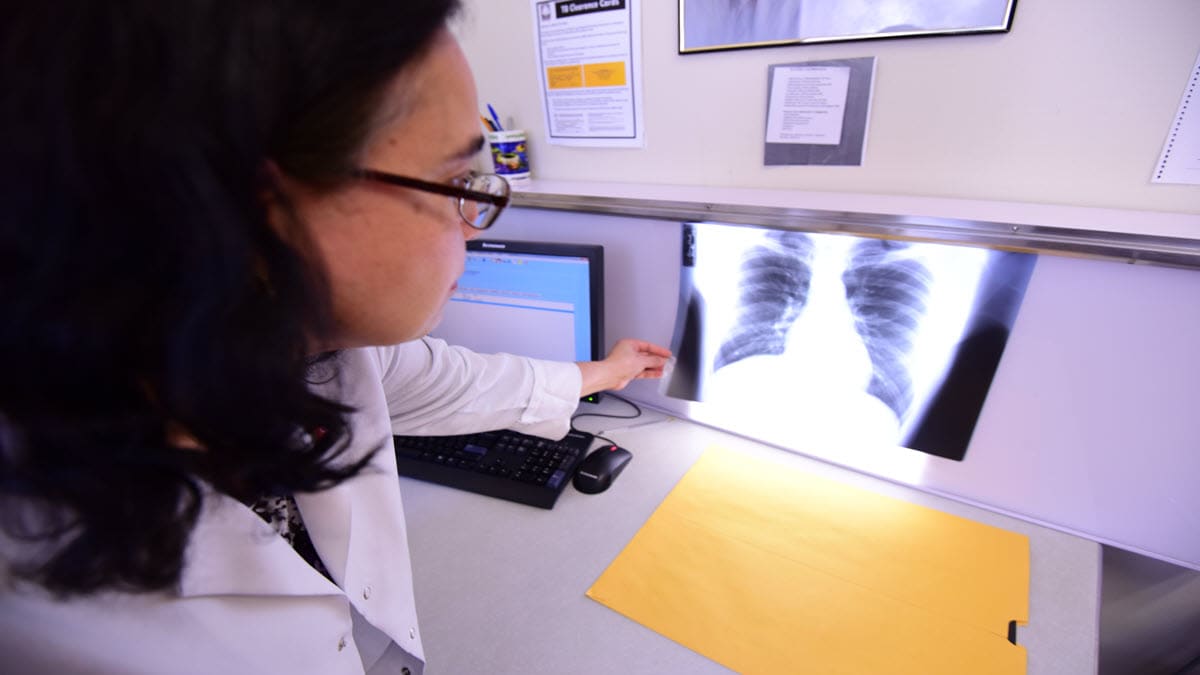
809,338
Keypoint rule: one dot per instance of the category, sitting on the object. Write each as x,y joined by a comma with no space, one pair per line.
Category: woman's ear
288,206
273,198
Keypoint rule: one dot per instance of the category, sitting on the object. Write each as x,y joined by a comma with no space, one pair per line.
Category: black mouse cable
637,412
606,440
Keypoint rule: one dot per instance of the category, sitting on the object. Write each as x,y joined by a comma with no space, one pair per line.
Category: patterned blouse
283,515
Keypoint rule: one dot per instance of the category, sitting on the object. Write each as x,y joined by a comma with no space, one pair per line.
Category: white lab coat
247,602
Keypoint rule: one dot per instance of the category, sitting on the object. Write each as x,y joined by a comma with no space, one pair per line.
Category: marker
487,123
495,118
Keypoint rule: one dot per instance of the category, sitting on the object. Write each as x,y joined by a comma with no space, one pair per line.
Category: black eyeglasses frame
499,201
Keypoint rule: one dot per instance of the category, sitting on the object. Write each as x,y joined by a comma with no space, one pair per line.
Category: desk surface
500,586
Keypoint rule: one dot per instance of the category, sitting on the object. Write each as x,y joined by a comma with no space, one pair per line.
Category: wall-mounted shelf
1150,237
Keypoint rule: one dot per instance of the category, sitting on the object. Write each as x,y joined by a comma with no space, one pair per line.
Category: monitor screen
538,299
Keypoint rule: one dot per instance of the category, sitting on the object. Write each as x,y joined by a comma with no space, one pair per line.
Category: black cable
606,440
637,412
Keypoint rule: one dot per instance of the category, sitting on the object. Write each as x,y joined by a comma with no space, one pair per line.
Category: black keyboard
504,464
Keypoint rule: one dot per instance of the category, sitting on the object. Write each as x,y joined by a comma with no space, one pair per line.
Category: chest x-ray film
806,338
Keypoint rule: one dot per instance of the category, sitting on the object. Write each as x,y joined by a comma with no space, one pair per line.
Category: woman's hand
629,360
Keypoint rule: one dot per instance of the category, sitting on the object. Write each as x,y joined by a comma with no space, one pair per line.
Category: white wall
1071,107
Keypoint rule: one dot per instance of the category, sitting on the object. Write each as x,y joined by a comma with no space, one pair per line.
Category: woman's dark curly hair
142,288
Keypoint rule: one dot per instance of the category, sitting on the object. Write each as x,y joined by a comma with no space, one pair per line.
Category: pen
487,123
495,118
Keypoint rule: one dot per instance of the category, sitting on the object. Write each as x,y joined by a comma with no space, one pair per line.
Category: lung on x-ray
804,338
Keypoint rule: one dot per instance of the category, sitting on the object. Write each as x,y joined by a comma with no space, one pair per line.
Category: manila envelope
767,569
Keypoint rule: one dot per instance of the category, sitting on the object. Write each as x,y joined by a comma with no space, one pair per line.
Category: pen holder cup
510,153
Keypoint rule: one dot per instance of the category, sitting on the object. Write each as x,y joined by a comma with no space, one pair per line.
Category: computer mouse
598,470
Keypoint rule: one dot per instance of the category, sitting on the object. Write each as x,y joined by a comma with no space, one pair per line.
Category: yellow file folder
768,569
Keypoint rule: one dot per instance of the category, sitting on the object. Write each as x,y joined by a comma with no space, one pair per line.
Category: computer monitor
538,299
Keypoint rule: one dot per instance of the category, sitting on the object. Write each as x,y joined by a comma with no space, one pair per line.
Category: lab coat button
412,633
366,592
341,643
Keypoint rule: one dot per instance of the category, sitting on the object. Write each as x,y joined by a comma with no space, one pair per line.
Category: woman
196,274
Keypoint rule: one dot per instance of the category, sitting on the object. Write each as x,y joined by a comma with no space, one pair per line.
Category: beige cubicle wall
1071,107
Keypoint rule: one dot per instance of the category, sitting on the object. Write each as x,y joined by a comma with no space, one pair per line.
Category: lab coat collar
328,517
232,551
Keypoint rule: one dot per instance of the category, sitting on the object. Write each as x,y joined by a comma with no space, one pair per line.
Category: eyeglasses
481,197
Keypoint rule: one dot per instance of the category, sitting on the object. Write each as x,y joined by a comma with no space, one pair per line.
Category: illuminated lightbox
801,338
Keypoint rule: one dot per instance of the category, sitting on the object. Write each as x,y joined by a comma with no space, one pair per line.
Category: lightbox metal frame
1115,246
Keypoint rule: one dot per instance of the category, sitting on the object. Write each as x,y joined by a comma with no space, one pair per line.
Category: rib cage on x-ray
774,285
886,288
832,340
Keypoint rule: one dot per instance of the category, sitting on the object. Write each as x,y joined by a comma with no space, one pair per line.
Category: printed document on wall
589,63
808,103
1180,158
817,112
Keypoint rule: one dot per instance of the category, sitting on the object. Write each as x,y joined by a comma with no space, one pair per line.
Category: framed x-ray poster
711,25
